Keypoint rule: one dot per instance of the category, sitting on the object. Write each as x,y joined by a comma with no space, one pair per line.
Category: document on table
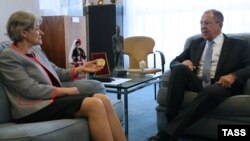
117,81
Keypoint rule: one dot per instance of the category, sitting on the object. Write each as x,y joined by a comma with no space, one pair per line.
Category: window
170,23
61,7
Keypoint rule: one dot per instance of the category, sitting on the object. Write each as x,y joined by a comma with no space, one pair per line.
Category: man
222,76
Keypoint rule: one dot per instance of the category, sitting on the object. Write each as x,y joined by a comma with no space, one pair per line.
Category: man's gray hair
217,15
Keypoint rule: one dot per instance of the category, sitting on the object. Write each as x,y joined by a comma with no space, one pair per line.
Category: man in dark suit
229,69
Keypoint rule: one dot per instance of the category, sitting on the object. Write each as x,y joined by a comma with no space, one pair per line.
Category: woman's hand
88,67
72,90
61,91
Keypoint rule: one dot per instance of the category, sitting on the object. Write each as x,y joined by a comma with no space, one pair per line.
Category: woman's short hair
21,20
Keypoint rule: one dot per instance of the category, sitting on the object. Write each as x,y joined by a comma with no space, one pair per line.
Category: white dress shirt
218,41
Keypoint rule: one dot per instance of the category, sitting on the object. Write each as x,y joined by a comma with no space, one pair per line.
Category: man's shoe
161,136
154,138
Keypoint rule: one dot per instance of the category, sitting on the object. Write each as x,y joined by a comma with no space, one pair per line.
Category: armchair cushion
232,106
4,102
48,130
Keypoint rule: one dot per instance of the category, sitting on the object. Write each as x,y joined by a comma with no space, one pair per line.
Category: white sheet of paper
117,81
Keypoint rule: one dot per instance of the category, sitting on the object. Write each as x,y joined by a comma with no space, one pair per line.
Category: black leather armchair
234,110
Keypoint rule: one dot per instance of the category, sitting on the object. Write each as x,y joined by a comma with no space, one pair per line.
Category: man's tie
207,65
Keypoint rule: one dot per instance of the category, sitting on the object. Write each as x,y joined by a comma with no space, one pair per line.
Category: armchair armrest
164,79
162,60
162,57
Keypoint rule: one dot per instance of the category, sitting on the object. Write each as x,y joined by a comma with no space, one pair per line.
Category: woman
37,87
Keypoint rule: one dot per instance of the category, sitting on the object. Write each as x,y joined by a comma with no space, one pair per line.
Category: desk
136,83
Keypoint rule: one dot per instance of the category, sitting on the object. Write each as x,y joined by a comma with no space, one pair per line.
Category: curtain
170,22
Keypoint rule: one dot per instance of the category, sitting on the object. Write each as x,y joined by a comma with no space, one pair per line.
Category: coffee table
135,83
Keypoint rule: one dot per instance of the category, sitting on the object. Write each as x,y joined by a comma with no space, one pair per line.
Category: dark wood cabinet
60,32
101,21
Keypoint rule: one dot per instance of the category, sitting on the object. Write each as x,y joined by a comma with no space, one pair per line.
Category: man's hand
226,80
189,64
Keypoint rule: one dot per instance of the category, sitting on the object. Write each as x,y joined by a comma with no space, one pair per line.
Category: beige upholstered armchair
138,48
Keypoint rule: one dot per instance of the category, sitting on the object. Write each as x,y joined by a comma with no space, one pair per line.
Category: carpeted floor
142,115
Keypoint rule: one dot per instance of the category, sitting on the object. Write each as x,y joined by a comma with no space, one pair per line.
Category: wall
7,7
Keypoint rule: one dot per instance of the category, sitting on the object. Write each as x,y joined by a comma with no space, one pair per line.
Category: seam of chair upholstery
30,137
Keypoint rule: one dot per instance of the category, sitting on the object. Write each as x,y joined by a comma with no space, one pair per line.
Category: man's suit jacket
234,58
27,83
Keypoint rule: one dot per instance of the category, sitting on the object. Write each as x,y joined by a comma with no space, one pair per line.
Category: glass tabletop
133,80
